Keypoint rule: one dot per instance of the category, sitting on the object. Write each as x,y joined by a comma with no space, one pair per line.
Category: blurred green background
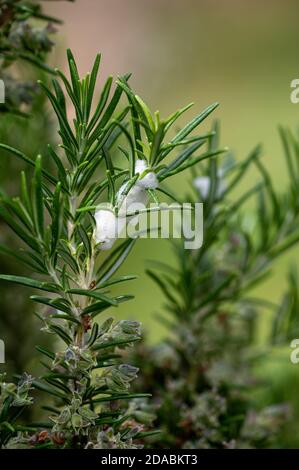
242,53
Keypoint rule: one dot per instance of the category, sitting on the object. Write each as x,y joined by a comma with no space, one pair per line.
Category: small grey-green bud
130,327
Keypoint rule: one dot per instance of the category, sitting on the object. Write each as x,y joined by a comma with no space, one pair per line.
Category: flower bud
128,372
130,327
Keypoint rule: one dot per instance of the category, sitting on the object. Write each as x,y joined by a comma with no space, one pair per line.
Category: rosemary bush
202,377
106,155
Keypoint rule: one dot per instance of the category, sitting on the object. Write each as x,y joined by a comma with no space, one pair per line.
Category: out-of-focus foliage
22,39
286,321
202,377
